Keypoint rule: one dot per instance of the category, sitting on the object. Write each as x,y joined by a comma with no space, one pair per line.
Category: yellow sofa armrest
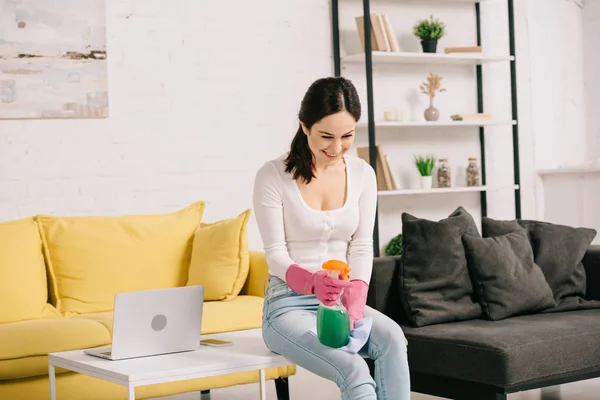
256,283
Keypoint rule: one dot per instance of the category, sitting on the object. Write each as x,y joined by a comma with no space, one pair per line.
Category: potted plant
429,31
432,84
394,247
425,166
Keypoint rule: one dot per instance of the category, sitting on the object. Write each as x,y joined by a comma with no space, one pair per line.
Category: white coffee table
248,353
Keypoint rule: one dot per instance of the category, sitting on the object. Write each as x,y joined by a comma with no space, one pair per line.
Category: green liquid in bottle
333,326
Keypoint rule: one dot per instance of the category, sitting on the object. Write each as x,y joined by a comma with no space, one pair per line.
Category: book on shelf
471,117
385,177
382,33
467,49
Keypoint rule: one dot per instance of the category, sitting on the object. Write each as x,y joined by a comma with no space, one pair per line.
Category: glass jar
444,178
472,172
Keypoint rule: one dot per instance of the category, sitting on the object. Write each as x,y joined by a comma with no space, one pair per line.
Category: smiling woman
328,116
313,205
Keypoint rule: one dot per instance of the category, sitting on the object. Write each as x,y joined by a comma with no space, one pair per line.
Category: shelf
583,169
436,124
385,57
404,192
445,1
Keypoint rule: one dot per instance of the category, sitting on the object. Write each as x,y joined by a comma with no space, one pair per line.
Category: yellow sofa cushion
257,281
24,345
23,282
92,258
220,258
243,312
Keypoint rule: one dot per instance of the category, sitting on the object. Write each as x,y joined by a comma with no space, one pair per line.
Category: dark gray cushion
558,250
591,262
434,278
517,350
506,279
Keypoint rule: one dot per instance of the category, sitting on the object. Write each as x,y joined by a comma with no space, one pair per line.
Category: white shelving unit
465,189
436,124
383,57
476,61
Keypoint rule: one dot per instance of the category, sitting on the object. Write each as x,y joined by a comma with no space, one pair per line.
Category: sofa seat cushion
24,346
506,353
242,312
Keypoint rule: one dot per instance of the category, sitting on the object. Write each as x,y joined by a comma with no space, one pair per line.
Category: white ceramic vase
426,182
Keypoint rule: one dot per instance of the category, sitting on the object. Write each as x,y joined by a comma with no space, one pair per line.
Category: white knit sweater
292,232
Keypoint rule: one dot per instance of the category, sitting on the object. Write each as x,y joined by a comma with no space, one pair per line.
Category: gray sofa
495,330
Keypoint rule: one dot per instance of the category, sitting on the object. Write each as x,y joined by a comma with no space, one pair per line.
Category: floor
305,385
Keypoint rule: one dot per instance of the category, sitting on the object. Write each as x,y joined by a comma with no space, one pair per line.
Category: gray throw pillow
435,285
558,250
506,279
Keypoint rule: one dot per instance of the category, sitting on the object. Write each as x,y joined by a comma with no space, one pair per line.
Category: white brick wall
591,36
201,94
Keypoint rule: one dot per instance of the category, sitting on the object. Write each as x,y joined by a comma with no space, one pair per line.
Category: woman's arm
268,211
360,250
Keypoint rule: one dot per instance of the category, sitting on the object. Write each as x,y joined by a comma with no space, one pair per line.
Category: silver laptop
153,322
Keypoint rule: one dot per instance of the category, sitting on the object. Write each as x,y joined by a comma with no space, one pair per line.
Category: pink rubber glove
355,299
303,281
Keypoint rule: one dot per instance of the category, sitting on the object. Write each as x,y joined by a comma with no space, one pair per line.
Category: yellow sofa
59,275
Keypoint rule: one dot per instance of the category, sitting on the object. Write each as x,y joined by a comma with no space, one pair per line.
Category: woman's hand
355,299
303,281
327,289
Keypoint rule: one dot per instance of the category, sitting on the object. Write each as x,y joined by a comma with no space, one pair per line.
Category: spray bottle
333,322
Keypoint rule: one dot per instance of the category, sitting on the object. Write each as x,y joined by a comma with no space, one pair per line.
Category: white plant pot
426,182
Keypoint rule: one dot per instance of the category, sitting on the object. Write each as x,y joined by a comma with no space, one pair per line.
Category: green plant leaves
425,164
394,247
429,29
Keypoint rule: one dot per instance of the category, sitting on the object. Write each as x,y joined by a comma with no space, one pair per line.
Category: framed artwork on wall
53,59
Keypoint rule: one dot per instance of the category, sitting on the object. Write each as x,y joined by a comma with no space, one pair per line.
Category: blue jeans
287,319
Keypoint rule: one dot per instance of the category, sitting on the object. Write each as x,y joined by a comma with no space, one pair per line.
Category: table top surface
248,352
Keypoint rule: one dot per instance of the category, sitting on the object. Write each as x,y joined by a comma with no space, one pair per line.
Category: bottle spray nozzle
337,269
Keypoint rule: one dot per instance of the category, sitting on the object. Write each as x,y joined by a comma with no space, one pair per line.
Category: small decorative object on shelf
429,31
425,166
463,49
472,117
392,114
394,247
432,84
472,172
444,179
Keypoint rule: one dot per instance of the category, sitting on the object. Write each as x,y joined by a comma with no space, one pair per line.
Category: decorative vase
426,182
432,113
429,45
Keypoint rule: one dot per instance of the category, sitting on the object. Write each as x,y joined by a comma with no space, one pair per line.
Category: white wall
591,36
570,193
195,85
201,94
558,101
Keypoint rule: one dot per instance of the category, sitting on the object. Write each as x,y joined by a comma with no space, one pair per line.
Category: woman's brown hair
326,96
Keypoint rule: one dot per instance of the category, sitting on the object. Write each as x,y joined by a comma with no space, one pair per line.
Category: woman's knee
390,336
350,373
